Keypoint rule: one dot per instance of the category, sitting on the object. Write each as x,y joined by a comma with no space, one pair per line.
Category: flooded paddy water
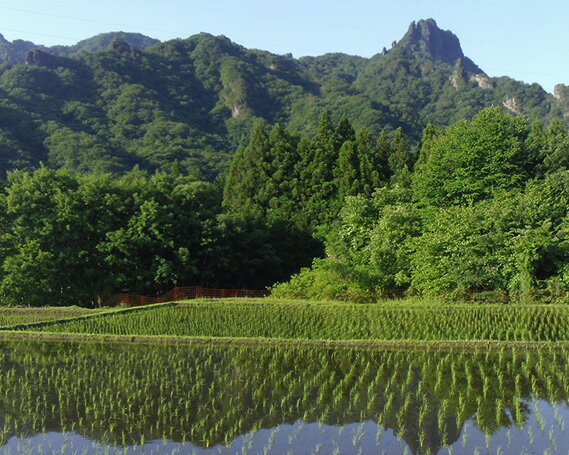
111,398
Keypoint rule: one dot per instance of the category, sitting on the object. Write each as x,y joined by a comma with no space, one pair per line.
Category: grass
20,315
305,321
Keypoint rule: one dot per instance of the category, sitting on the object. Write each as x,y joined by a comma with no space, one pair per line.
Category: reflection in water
108,398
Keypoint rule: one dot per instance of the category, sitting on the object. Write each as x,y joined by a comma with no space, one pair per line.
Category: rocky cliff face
561,92
425,37
16,51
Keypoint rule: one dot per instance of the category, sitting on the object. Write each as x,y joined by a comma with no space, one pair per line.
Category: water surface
107,398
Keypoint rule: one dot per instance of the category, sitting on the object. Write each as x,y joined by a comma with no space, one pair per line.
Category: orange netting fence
180,293
469,295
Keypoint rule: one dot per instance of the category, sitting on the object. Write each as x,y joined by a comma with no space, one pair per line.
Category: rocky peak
427,38
560,91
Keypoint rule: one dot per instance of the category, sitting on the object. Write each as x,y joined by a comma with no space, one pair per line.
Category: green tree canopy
471,160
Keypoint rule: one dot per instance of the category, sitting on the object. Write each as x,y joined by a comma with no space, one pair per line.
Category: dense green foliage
280,177
147,395
484,207
473,160
106,105
67,237
331,321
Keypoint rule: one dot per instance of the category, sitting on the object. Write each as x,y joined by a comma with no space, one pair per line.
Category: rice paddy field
266,319
60,397
95,397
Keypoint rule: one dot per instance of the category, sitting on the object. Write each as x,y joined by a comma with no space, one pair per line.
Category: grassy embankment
277,321
10,316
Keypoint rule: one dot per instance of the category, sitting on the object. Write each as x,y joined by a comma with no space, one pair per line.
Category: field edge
484,345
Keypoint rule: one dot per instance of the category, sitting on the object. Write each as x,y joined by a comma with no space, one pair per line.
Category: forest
481,204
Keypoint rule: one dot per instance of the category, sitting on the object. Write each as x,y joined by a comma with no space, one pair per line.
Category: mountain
427,39
15,52
103,41
194,101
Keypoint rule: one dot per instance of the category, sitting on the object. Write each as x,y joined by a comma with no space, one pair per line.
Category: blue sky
526,40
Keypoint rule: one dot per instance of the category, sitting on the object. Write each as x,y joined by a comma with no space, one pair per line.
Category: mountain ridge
15,52
195,100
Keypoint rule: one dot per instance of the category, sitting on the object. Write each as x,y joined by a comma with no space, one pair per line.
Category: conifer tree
345,130
383,151
401,160
347,171
248,174
305,155
319,193
429,133
280,167
355,173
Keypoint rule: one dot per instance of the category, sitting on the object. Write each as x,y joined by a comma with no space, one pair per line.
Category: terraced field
309,321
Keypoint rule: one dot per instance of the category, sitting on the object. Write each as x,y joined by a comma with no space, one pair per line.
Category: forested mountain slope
190,103
15,52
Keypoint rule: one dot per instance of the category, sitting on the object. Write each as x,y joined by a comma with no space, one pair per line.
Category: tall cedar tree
319,192
383,151
304,182
279,192
401,160
248,174
355,173
262,176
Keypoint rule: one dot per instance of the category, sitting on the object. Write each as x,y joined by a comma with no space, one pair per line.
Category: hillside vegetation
93,108
484,208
